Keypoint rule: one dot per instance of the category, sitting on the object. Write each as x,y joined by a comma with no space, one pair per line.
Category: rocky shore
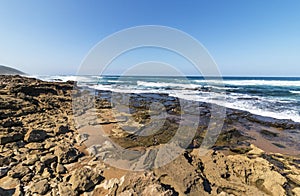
46,148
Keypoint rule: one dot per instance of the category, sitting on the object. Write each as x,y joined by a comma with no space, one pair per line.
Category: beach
53,145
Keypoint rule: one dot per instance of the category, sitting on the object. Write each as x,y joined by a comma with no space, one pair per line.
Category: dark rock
240,149
278,145
3,171
10,137
11,123
35,135
61,129
6,192
268,133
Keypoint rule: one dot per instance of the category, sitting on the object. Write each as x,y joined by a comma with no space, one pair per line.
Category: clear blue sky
253,37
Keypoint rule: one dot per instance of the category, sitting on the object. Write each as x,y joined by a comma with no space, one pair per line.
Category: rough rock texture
84,179
35,136
43,153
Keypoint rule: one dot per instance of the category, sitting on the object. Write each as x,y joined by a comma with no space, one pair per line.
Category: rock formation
42,152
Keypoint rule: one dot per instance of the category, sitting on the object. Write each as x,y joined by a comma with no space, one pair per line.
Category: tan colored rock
296,191
31,159
294,178
35,146
84,178
60,169
238,174
49,144
19,171
141,183
66,154
255,150
183,176
65,189
155,189
48,159
8,182
40,187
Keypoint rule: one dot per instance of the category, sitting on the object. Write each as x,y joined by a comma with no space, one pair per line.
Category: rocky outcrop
43,153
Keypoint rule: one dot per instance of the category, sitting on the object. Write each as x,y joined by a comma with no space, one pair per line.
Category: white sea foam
122,89
246,105
221,87
264,106
81,79
166,84
295,92
258,83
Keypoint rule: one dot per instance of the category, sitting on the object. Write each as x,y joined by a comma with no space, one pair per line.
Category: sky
245,38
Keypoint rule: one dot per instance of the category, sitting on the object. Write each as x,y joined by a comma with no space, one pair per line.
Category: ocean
276,97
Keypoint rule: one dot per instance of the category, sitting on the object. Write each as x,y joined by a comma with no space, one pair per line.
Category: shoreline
42,151
256,111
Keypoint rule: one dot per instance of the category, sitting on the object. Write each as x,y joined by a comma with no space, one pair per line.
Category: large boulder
84,178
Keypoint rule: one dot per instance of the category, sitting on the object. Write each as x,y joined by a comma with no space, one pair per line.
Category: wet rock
35,135
230,137
278,145
240,149
268,133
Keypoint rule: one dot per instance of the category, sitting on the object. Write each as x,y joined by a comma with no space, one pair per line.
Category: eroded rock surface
42,152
